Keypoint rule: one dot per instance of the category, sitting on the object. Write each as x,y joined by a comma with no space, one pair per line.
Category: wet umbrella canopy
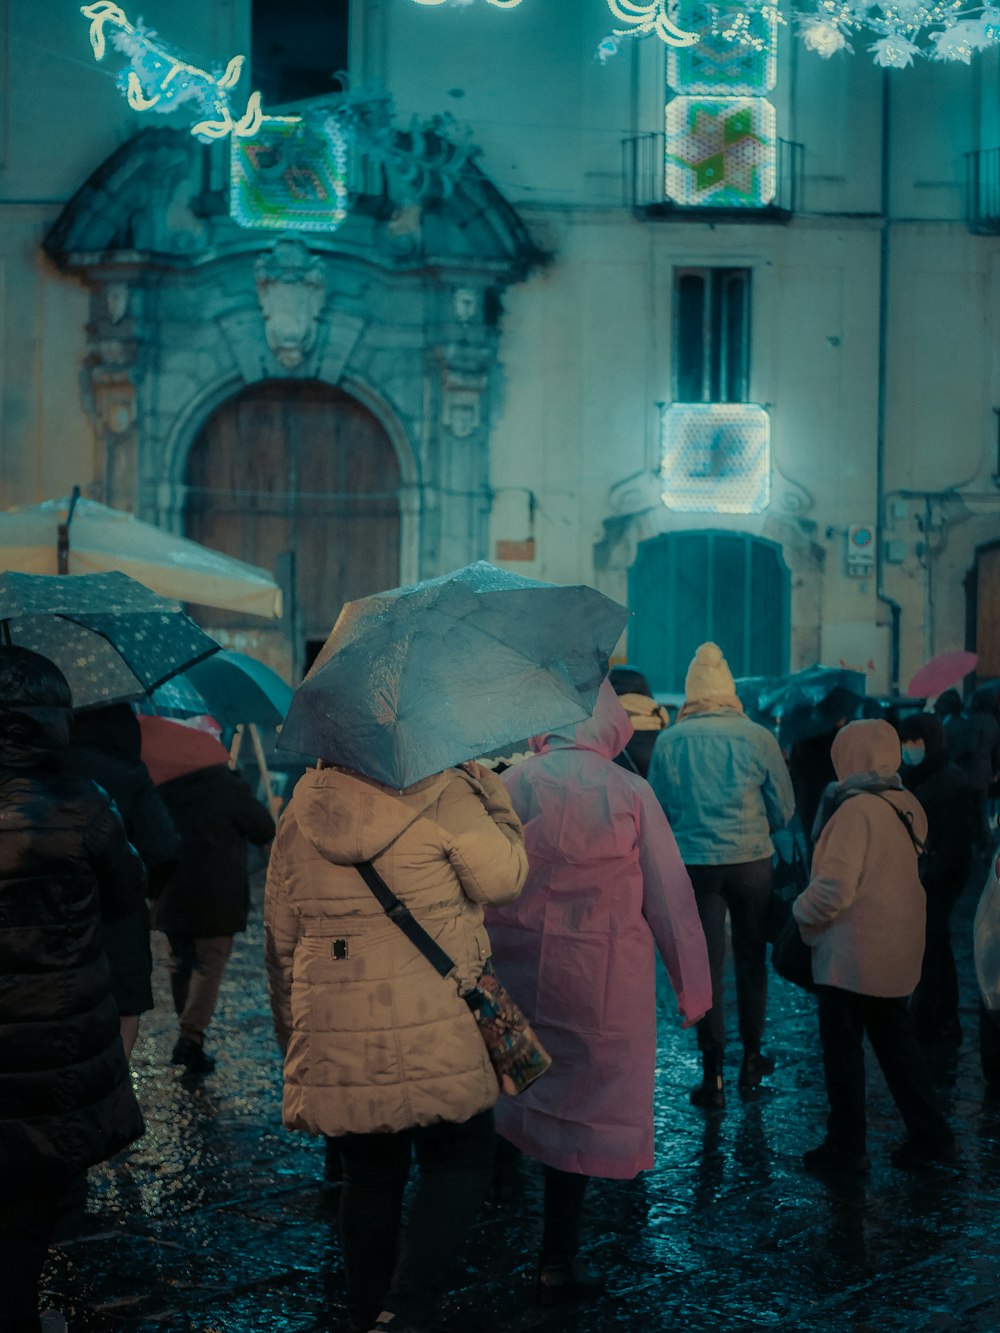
414,680
110,636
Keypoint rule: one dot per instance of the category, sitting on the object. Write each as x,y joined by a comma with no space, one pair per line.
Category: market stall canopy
101,539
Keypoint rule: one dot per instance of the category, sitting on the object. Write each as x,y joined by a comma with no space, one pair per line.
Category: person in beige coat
863,915
381,1052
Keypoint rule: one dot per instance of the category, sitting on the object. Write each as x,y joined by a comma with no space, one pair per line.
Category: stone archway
400,308
299,477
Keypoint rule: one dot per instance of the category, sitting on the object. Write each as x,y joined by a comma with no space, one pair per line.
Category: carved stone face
291,310
291,289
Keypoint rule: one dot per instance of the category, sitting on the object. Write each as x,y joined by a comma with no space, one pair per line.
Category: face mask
913,754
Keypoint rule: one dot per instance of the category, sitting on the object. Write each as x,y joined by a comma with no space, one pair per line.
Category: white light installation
461,4
904,29
716,458
157,80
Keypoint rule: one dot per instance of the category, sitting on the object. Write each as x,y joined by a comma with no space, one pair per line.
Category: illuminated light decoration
716,458
721,152
292,174
824,37
462,4
158,81
904,30
894,52
724,63
643,20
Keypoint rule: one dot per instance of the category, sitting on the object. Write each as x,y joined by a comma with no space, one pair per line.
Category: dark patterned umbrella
417,679
110,636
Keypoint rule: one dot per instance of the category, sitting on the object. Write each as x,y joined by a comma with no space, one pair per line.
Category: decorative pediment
156,199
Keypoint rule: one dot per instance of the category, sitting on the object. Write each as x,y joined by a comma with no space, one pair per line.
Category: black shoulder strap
906,819
401,916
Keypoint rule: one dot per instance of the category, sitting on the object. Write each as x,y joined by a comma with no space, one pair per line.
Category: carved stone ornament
465,304
291,289
460,404
116,298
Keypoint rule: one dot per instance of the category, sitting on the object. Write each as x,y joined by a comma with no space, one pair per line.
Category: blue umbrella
414,680
112,638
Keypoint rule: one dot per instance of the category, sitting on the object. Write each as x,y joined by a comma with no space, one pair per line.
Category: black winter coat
215,813
106,747
943,790
65,1093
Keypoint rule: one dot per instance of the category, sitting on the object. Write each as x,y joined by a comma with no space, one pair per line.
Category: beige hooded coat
864,909
378,1041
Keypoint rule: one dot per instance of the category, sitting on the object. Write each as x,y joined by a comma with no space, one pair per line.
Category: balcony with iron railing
982,192
644,187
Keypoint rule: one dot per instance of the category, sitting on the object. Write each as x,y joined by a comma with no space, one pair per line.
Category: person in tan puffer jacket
380,1051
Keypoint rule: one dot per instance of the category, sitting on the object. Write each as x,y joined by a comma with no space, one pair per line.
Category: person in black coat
943,790
106,744
207,899
66,1101
648,718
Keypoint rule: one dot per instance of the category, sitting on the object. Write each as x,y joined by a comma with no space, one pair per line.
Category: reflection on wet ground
217,1221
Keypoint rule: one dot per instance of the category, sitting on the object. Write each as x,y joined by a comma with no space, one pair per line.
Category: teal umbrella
417,679
112,638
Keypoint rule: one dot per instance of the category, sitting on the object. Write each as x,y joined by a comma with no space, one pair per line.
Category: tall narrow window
711,335
296,49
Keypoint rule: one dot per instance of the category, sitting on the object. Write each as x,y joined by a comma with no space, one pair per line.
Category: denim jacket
723,785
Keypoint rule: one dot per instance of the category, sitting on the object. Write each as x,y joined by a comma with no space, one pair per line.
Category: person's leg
904,1065
562,1276
375,1168
707,883
841,1030
180,963
747,891
934,1003
456,1165
129,1027
28,1211
211,954
989,1048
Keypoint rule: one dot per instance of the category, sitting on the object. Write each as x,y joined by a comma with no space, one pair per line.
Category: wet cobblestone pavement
217,1220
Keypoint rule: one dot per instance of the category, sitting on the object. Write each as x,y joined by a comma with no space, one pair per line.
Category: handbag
788,879
517,1056
791,957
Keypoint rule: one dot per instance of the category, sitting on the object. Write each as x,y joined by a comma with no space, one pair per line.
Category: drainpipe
895,610
62,535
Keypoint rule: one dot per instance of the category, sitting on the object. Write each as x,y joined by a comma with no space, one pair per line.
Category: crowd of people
623,836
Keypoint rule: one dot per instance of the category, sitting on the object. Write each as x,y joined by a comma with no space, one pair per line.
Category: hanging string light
157,80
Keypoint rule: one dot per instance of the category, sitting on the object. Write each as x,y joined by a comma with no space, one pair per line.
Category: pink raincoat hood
866,746
607,731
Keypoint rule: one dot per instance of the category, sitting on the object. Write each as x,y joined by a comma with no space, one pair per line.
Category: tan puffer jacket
377,1041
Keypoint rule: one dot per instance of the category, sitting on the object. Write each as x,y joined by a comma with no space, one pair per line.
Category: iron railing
644,188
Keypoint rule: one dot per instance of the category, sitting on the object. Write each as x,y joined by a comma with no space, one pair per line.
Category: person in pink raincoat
605,884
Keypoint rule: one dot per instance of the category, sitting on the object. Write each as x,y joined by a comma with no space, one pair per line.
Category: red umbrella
171,749
940,673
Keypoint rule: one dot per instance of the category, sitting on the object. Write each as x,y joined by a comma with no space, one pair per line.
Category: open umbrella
940,673
80,536
112,638
805,689
172,749
417,679
237,688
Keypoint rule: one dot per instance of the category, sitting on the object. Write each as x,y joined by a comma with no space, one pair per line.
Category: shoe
566,1278
387,1322
924,1152
52,1322
709,1094
830,1159
754,1068
191,1054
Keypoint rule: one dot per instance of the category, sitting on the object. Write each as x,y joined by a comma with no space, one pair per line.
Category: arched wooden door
687,587
298,467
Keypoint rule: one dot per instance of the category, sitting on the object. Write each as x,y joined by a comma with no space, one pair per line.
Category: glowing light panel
721,152
291,175
716,458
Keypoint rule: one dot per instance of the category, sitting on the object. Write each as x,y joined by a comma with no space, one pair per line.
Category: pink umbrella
940,673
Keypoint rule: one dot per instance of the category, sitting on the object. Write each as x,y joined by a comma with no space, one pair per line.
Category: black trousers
406,1274
844,1018
29,1207
564,1193
744,891
934,1005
